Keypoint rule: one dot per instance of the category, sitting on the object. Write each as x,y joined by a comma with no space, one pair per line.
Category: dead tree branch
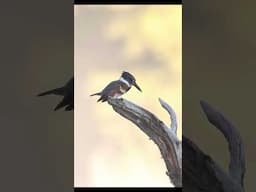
164,137
237,157
172,114
201,173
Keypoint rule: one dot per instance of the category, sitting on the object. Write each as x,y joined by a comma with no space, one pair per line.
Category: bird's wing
111,88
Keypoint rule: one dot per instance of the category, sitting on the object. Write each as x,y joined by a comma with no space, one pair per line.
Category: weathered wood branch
172,114
201,173
163,137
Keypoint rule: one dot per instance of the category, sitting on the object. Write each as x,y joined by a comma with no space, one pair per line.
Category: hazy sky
146,41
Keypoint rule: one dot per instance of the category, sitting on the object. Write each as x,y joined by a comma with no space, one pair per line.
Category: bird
67,91
117,88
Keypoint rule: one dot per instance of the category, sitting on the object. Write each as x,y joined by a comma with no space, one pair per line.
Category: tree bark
200,172
164,137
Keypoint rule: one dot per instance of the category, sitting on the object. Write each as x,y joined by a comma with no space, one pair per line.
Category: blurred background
219,66
145,41
37,54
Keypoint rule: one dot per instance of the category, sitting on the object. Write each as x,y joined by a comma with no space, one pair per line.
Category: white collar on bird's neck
125,81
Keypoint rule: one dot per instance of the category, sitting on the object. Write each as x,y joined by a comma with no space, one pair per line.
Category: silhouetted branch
237,157
163,137
201,173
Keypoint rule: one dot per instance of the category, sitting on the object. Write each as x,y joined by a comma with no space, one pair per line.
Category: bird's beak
137,86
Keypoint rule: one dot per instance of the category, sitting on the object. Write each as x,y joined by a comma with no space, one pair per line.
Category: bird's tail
61,104
96,94
58,91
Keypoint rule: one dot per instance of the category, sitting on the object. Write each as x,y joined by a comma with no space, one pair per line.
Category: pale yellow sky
146,41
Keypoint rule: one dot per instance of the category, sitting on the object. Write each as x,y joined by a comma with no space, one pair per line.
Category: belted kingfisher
67,91
117,88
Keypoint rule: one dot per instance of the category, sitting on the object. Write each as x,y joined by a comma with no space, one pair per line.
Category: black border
80,2
82,189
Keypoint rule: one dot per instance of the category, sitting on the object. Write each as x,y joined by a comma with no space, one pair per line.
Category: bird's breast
118,92
123,90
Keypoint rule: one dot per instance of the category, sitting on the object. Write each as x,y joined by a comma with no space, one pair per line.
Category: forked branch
201,173
164,137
